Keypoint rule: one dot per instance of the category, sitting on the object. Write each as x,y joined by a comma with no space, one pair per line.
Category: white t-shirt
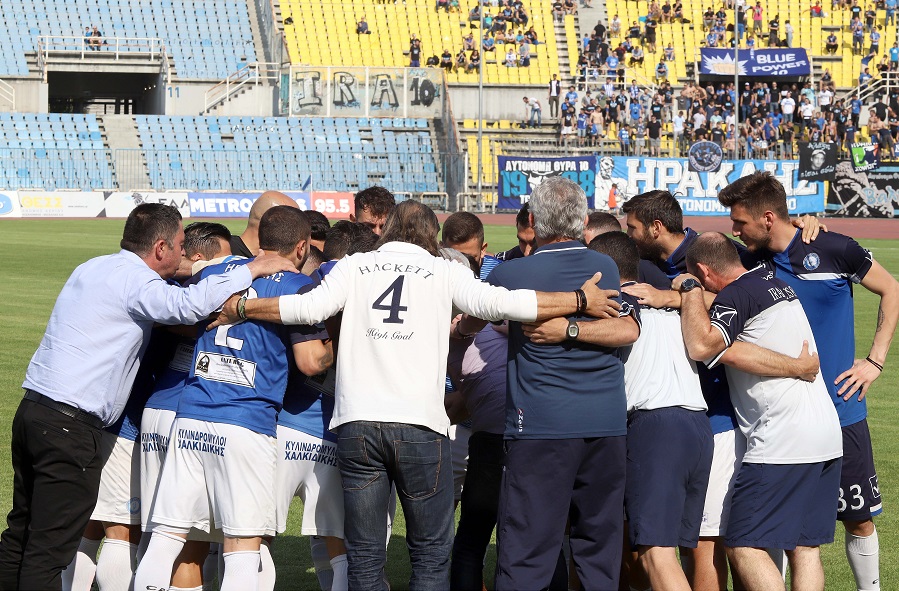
394,338
787,106
824,98
807,110
658,373
785,420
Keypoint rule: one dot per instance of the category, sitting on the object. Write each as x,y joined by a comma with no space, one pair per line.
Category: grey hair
559,207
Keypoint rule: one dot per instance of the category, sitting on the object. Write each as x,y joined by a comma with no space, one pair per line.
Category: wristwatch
688,284
572,330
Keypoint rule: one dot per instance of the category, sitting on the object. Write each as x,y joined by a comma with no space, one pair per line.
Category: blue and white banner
697,192
233,205
755,62
519,176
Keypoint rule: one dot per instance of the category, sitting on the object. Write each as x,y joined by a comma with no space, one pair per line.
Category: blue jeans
371,456
535,117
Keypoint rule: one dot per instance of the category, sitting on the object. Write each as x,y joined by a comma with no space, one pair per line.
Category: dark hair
414,223
147,224
344,235
377,200
522,218
462,226
202,237
318,223
315,257
282,228
714,250
602,222
656,205
622,249
759,192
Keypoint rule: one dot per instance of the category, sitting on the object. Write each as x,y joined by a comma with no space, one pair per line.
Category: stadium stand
208,39
243,153
324,33
52,151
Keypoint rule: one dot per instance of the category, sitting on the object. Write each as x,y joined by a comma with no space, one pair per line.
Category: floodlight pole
737,80
481,61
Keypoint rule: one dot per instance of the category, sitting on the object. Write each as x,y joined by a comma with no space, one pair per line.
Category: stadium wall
500,102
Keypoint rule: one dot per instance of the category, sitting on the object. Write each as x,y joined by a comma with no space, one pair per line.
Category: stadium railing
249,74
54,44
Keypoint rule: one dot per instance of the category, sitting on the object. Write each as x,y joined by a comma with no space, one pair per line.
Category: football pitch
37,256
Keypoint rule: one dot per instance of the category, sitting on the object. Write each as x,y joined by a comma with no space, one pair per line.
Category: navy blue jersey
239,371
570,389
713,381
152,366
822,274
309,400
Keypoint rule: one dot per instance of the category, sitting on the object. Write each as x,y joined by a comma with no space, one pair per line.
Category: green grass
36,257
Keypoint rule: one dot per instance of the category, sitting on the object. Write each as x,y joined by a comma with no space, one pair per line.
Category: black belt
66,409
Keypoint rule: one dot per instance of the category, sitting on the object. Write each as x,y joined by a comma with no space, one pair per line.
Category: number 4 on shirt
396,289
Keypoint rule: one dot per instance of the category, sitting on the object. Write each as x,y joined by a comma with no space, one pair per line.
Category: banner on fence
518,177
237,205
119,204
817,161
870,194
325,91
697,192
865,156
60,204
755,62
9,205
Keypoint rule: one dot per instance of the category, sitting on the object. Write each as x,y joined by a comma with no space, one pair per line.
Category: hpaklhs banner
817,161
755,62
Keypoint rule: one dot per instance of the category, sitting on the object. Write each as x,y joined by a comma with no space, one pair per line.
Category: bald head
265,202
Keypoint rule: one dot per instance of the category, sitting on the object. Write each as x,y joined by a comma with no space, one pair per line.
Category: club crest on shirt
811,261
203,364
723,314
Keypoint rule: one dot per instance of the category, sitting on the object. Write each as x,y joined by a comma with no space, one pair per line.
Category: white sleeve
487,302
321,303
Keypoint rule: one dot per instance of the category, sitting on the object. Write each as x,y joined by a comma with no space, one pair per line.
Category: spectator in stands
462,60
634,31
511,57
615,27
863,79
708,19
567,127
474,16
669,53
774,32
524,54
649,35
558,10
858,35
679,11
415,54
661,72
488,43
816,10
475,61
444,4
446,61
570,6
870,15
468,42
362,27
624,137
787,108
433,62
455,7
531,36
875,40
532,112
757,12
488,22
831,44
637,56
97,39
87,37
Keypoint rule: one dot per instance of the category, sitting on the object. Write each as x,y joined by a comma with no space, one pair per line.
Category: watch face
572,330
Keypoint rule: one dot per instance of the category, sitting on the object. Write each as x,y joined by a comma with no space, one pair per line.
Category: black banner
817,161
868,194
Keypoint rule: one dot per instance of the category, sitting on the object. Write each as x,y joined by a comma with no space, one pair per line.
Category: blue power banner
755,62
519,176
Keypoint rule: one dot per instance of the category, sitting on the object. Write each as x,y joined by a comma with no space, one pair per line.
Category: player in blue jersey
655,222
205,243
222,453
822,274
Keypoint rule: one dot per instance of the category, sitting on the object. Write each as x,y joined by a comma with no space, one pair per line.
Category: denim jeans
480,503
372,456
535,117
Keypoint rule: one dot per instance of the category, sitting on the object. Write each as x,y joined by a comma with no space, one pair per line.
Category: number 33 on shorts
855,499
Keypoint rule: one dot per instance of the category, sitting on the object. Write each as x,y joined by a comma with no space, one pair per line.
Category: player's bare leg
79,575
662,568
863,553
706,565
755,569
188,573
806,571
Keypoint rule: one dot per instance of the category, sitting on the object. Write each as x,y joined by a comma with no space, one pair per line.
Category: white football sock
319,550
155,570
863,554
241,571
267,574
79,575
339,566
115,568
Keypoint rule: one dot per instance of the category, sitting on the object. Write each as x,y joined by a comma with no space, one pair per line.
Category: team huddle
650,409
